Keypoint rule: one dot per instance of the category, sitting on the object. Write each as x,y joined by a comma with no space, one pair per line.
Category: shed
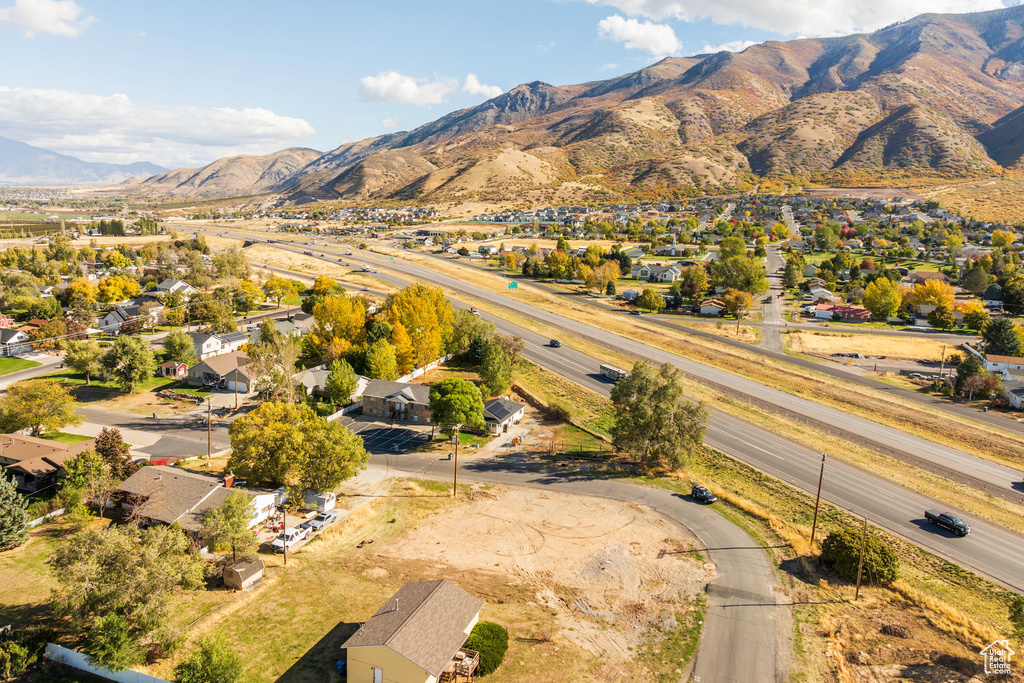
242,575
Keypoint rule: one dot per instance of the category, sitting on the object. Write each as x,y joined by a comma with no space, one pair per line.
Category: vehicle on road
948,521
289,537
322,521
366,289
636,311
702,494
554,343
613,373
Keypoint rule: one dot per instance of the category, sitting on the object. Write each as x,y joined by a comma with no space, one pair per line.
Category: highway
990,550
944,460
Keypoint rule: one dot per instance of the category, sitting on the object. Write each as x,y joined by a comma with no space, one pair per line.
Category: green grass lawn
64,437
9,365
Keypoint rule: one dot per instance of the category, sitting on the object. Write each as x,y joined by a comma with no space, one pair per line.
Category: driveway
380,437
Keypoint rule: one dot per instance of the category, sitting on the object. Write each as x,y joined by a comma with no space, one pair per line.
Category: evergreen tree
1000,338
13,514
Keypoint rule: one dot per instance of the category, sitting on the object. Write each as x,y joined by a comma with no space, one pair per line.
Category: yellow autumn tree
427,317
933,293
338,324
323,285
405,354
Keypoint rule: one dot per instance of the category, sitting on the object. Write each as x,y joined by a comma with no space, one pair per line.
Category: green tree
380,361
610,288
841,551
341,382
825,237
883,297
465,328
287,444
129,362
976,318
495,369
457,401
87,478
654,423
491,641
117,585
740,272
40,405
178,346
942,318
1000,337
970,366
731,246
227,525
83,356
13,514
115,453
213,662
651,300
975,280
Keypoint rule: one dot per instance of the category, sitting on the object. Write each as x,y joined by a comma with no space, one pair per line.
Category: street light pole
209,427
817,499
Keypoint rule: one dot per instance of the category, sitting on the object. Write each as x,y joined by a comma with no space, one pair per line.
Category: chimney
229,480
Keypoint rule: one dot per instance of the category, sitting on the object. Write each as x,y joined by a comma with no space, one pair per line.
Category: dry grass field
877,345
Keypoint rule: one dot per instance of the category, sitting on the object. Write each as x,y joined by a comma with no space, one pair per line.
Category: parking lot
380,437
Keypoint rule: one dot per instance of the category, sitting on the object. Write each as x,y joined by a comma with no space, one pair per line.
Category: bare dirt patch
825,344
593,562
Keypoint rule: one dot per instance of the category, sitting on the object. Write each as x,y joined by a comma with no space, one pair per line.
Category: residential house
175,287
810,270
397,401
658,273
172,369
6,322
1013,391
214,371
165,495
670,250
14,342
36,463
417,636
111,323
210,345
853,314
502,413
995,363
713,307
821,295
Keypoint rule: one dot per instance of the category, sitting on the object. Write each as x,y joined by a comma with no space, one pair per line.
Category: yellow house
417,637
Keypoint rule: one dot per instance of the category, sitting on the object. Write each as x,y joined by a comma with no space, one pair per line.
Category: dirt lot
876,345
622,565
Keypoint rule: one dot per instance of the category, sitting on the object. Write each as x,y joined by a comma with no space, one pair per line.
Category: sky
183,83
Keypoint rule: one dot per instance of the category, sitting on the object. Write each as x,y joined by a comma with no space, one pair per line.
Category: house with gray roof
502,413
397,401
417,636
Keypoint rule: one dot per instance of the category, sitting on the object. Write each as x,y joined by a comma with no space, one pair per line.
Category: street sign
513,285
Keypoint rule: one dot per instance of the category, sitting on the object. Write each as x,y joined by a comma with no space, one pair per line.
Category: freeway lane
991,550
977,471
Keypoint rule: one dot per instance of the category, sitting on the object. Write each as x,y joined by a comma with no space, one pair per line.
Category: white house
210,345
175,286
1013,391
810,270
711,307
14,342
111,323
501,413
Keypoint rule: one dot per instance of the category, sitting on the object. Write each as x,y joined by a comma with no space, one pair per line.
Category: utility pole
455,480
284,530
817,499
188,317
860,562
209,427
942,367
236,389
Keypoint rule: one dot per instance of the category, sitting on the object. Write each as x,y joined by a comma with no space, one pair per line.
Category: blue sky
185,82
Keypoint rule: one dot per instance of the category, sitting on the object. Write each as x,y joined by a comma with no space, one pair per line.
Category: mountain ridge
939,95
25,164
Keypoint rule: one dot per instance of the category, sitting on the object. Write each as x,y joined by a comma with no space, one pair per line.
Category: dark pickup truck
948,521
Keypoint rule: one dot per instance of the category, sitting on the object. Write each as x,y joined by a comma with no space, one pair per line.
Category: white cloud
658,39
475,87
59,17
732,46
113,128
391,122
610,66
545,48
391,86
788,17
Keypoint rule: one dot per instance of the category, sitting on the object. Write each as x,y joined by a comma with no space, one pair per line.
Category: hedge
841,550
491,641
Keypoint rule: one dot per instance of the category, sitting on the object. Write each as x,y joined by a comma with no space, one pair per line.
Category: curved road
990,550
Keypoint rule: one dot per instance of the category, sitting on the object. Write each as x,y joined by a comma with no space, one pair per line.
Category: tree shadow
320,661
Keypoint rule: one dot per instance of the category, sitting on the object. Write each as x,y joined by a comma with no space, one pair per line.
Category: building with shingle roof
416,636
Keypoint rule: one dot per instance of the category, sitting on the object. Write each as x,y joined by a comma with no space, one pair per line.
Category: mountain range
935,96
23,164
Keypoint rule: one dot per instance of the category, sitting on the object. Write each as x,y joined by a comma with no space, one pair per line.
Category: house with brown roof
397,401
160,494
221,372
36,463
416,637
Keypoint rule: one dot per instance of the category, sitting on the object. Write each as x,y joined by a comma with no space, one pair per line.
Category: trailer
613,373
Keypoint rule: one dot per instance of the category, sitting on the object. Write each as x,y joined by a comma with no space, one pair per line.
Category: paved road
179,436
991,550
970,468
771,330
746,629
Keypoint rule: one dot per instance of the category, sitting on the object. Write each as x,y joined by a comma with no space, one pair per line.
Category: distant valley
23,164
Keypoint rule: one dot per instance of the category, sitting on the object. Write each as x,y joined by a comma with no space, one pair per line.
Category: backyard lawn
64,437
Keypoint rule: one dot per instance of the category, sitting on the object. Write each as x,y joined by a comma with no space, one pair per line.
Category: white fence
426,368
351,408
79,661
39,520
